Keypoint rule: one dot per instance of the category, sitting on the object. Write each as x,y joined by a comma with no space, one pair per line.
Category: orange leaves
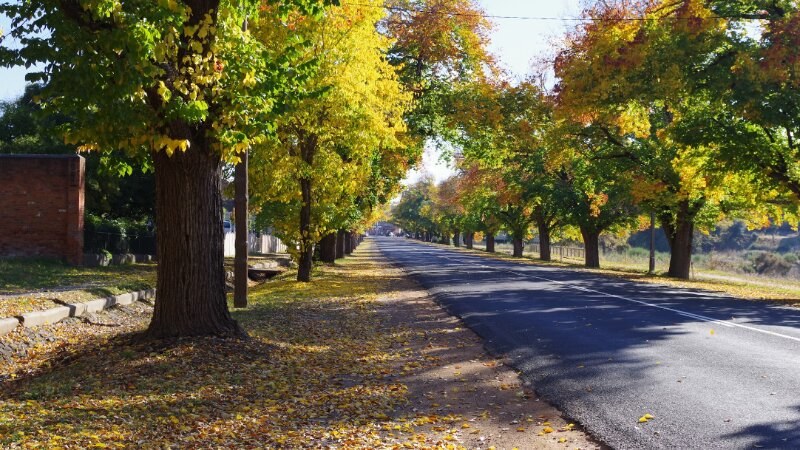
596,203
449,35
781,59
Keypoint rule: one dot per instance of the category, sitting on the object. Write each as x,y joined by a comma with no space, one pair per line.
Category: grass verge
764,289
32,285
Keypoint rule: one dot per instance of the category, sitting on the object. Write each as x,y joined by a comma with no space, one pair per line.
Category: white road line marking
724,323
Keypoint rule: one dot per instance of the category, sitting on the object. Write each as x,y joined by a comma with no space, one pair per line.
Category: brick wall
41,206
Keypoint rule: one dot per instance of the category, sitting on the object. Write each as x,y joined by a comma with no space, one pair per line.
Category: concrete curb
8,325
53,315
46,317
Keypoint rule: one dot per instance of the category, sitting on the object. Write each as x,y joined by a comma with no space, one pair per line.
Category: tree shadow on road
584,340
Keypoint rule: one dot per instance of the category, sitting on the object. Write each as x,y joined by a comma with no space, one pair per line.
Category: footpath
360,358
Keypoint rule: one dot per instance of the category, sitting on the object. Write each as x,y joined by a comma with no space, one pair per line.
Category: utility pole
652,269
241,202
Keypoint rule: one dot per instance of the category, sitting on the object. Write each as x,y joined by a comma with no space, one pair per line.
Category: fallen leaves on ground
33,285
323,368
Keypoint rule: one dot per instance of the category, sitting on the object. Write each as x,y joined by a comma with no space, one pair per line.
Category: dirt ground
495,408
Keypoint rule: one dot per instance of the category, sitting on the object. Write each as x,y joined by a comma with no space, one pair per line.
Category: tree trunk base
490,243
327,248
544,243
519,247
191,298
591,243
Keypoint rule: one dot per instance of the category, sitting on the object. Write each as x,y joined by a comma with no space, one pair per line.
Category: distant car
227,227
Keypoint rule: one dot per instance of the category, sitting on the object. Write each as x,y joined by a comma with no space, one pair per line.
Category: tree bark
544,242
591,244
306,262
680,237
327,248
241,210
519,247
341,237
457,239
469,239
354,241
191,298
652,263
490,243
348,247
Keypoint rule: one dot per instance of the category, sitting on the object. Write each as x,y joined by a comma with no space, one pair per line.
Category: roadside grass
750,288
320,370
31,285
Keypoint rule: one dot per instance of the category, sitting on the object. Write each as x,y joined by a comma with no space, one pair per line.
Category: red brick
41,206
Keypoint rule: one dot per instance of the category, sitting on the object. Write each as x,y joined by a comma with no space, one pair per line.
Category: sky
515,42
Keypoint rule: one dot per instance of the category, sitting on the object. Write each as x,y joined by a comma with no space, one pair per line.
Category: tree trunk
490,243
191,299
341,237
348,246
519,247
544,242
327,248
240,269
651,269
591,244
680,237
306,262
469,239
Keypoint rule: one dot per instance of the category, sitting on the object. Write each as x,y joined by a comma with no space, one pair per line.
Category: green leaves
192,112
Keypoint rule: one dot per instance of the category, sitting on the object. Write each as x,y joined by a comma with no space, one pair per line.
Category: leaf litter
360,358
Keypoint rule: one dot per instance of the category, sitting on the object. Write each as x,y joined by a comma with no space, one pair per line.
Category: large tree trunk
457,239
591,244
348,246
544,242
353,241
327,248
341,237
306,262
519,247
191,298
680,237
490,243
469,239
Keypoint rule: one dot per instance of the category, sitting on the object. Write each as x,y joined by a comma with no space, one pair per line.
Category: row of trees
333,103
687,110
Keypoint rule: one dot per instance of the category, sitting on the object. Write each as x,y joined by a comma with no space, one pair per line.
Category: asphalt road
715,372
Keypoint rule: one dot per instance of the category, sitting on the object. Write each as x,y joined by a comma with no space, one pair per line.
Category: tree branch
73,11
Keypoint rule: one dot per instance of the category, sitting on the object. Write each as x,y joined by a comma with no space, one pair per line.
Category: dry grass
736,286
